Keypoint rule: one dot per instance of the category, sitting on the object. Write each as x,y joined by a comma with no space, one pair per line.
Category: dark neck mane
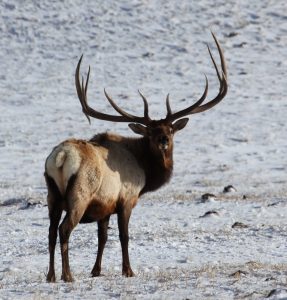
158,168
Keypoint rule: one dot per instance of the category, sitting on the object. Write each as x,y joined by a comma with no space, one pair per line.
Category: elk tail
60,159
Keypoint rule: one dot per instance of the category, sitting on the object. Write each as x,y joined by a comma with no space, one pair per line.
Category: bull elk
91,180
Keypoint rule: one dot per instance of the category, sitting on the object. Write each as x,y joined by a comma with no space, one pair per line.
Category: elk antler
145,120
197,107
90,112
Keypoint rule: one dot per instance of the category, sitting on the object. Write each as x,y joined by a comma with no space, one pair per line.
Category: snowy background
238,250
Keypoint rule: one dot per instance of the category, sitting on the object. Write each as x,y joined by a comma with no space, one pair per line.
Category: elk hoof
128,272
51,277
96,273
67,277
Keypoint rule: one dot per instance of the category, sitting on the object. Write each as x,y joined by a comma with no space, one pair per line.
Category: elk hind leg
54,200
75,211
70,221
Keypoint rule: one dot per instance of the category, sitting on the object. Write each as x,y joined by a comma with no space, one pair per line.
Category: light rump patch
62,163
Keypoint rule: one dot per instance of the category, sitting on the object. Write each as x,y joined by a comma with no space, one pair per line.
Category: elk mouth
163,146
163,143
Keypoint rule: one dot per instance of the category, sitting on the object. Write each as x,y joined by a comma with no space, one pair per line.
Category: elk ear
138,128
180,124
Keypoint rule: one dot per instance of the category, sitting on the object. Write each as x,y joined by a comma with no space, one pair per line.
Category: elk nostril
163,140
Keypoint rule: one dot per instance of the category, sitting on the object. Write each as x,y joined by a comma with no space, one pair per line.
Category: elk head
159,132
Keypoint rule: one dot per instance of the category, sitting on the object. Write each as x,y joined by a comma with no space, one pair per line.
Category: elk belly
98,210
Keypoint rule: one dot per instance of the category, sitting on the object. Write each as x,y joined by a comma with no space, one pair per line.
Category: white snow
176,249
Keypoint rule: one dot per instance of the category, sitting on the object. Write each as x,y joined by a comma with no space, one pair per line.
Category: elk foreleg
124,213
102,239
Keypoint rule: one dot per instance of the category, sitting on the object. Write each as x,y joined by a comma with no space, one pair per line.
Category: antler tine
168,108
197,107
222,79
143,120
173,116
145,105
214,64
222,60
117,108
82,89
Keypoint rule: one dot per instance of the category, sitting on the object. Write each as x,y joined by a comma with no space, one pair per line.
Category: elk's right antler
90,112
197,107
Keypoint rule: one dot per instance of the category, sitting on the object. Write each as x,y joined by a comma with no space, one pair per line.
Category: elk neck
158,166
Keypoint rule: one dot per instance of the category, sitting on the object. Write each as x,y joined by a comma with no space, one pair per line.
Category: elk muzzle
163,142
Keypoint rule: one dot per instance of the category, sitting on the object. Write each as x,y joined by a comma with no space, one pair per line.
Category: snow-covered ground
176,249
